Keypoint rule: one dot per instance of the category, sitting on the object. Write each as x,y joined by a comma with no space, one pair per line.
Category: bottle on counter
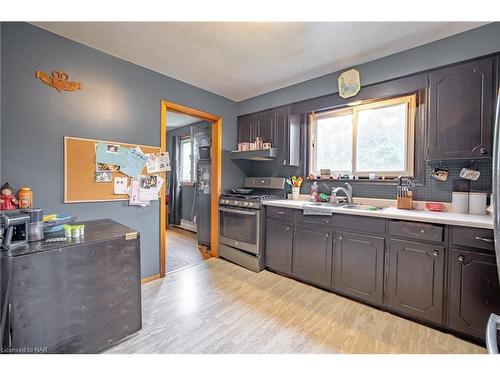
25,197
333,196
314,197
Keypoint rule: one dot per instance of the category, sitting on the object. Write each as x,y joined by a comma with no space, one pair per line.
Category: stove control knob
246,204
251,204
235,203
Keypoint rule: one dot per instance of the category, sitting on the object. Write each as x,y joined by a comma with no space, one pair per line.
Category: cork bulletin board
80,167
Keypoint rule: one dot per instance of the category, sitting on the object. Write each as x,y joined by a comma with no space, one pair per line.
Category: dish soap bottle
314,192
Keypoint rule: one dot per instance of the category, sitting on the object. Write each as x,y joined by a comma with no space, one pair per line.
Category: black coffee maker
13,229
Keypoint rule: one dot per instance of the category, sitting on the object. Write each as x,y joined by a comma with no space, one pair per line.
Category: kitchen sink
324,204
363,207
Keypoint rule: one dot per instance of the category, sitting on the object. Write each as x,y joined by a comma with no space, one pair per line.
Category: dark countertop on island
95,231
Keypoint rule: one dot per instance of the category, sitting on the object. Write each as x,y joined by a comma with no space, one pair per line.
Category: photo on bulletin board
86,180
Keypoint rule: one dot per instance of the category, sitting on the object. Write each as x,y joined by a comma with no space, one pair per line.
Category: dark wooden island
78,296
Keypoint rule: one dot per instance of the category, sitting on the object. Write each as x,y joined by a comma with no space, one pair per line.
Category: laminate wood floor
182,249
218,307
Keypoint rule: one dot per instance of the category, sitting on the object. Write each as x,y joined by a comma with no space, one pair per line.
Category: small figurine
7,200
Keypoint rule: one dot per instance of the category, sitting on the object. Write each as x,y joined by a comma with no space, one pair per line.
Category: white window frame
409,100
183,141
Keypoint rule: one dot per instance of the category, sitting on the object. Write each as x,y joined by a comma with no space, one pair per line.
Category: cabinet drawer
473,237
313,219
414,230
279,212
359,223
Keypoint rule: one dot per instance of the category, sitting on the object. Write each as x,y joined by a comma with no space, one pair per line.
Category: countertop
95,231
449,218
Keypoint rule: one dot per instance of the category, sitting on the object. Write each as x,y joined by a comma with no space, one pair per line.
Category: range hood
256,155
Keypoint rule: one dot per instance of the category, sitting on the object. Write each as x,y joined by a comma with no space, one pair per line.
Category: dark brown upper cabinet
359,266
247,125
474,291
278,127
461,111
264,126
416,279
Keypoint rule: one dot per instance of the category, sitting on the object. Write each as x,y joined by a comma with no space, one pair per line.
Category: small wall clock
349,83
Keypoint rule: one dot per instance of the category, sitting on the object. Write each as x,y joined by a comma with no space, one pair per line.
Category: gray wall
467,45
119,101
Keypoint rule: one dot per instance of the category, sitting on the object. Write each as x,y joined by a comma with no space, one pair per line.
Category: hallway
182,249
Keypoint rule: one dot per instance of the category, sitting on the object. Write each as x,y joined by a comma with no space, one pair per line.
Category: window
185,165
367,138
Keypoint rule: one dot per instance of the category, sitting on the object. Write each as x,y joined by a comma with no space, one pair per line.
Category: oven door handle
238,211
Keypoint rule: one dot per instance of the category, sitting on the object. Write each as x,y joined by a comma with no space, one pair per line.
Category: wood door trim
216,174
150,278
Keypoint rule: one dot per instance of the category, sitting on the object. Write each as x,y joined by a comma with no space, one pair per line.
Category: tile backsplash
432,190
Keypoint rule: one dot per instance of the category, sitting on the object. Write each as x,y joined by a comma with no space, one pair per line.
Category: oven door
239,228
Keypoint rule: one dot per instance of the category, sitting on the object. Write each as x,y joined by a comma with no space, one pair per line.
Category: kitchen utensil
440,174
469,174
436,207
477,203
241,191
460,202
13,229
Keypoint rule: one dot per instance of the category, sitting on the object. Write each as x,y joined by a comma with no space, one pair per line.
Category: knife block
405,203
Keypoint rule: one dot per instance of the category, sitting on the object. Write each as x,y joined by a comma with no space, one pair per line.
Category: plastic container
460,202
75,231
477,203
67,231
25,197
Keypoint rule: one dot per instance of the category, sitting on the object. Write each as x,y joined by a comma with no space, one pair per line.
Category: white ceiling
240,60
176,120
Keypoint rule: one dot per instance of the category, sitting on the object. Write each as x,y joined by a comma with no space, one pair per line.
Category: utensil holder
295,193
405,203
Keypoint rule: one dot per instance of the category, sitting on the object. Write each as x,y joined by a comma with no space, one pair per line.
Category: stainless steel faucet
347,191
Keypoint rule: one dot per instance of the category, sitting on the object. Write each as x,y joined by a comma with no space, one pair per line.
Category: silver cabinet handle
492,327
435,253
326,235
461,258
287,229
484,239
341,238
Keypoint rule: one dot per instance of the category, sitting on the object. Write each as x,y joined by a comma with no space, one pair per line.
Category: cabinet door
312,254
460,112
474,291
358,266
416,279
246,128
279,244
281,135
264,125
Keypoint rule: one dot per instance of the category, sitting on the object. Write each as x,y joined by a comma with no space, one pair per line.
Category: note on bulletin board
80,168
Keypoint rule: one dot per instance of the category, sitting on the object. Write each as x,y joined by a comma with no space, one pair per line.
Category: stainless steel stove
241,218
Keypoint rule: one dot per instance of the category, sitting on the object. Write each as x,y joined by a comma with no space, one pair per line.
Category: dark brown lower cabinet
312,254
359,266
474,291
279,242
416,279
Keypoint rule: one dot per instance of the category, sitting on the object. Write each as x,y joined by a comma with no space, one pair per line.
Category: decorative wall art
349,83
58,80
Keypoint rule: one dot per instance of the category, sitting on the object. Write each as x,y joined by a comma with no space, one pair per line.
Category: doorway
188,210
